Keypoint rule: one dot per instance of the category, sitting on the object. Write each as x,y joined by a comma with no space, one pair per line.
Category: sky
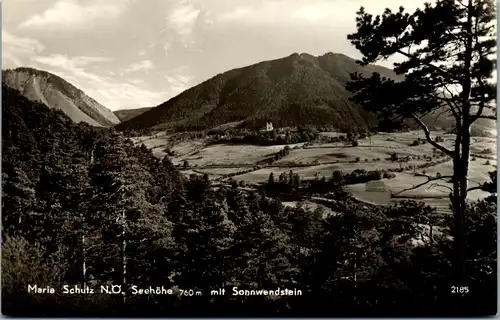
140,53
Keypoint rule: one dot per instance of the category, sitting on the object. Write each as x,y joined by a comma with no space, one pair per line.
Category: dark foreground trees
92,210
448,50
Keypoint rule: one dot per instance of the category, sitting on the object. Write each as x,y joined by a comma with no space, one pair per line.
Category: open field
323,159
309,172
363,192
478,170
332,134
224,154
219,171
434,195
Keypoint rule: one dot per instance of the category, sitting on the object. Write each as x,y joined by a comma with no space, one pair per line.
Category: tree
448,50
394,157
18,202
129,226
271,179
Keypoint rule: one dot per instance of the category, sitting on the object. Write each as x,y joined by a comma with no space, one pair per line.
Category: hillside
56,93
442,119
127,114
300,89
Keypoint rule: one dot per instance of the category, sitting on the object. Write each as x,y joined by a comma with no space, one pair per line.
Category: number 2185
455,289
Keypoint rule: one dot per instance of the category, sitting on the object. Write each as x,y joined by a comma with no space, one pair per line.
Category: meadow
247,163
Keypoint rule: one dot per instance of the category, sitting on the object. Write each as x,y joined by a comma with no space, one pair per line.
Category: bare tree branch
429,139
441,185
456,112
480,187
438,116
484,117
429,179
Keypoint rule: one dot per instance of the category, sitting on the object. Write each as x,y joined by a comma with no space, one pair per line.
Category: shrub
439,139
487,162
358,159
389,175
415,143
394,156
355,143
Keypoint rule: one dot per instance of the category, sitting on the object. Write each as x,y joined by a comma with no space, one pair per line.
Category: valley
346,151
245,164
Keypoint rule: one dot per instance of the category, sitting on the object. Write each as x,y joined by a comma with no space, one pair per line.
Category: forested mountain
127,114
300,89
82,206
57,93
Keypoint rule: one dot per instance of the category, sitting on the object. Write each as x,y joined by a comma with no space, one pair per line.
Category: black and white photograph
249,158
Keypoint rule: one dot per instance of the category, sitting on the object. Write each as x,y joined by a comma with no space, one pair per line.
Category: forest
83,206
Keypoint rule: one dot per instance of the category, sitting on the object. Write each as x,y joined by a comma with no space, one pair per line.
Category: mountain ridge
299,89
57,93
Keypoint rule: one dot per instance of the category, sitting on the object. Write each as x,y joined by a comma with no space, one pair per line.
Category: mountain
443,119
57,93
127,114
300,89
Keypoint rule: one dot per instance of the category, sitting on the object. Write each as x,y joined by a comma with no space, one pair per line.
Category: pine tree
271,179
18,202
449,48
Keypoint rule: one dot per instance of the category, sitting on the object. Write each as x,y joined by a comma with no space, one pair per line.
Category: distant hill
57,93
300,89
442,119
128,114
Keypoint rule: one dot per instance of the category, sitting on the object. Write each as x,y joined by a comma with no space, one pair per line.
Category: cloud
282,14
112,94
17,49
73,14
136,81
139,66
311,13
142,52
182,19
74,65
118,96
179,80
166,47
279,13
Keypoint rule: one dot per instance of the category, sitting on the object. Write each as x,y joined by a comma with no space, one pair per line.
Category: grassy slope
128,114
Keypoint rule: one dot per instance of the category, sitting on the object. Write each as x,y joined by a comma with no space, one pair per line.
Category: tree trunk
458,205
431,237
84,266
461,161
124,260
